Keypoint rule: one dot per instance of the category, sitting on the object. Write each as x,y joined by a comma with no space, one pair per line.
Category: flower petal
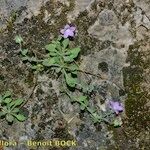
68,33
116,106
66,26
72,28
62,31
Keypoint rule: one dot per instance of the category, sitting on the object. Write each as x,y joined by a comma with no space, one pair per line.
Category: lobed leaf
20,117
7,100
2,113
15,110
7,94
70,80
50,61
73,67
68,59
74,52
16,102
65,43
51,47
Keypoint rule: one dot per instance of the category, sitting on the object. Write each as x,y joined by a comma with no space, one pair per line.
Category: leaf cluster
9,108
62,58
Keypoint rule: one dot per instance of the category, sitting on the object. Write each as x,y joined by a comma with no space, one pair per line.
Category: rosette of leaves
9,108
62,59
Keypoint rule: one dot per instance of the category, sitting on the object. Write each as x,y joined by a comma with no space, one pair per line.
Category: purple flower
116,106
68,31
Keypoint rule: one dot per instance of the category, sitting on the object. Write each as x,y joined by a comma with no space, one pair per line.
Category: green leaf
92,110
74,52
7,100
117,122
50,61
16,102
15,110
82,107
53,54
34,67
58,46
65,43
25,58
7,94
1,99
59,38
9,118
32,59
51,47
73,67
20,117
54,42
96,118
24,51
74,72
71,55
82,98
18,39
2,113
4,109
37,67
68,59
70,80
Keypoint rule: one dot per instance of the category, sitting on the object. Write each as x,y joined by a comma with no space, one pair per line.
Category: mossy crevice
135,104
136,121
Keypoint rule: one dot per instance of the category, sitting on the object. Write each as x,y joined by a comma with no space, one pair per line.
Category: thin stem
86,72
36,60
88,109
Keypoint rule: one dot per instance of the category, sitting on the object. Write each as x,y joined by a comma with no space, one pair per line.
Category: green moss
136,100
30,79
137,113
